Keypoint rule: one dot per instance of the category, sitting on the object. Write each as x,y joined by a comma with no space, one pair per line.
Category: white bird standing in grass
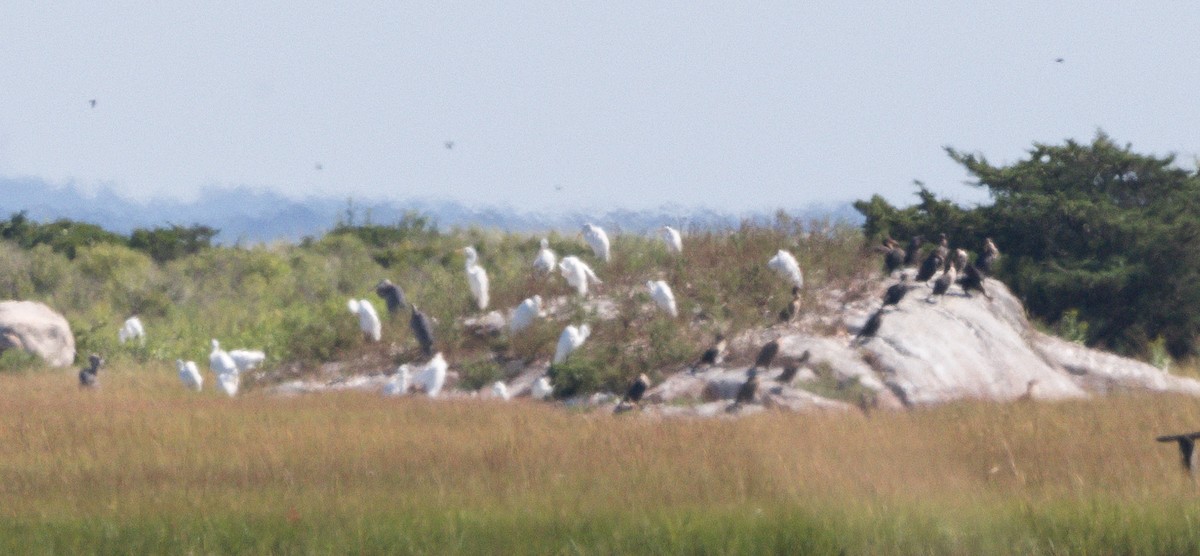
131,330
247,359
500,390
661,292
785,264
229,383
570,340
578,274
546,260
477,277
399,383
431,379
189,375
541,388
226,370
525,313
368,319
672,239
598,240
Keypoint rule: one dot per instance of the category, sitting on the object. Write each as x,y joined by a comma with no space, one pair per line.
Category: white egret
672,239
477,277
598,240
220,362
132,330
661,292
189,375
500,390
229,383
785,264
368,319
578,274
400,382
541,388
546,260
247,359
433,376
571,338
525,314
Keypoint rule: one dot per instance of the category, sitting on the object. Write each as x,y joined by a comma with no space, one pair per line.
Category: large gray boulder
37,329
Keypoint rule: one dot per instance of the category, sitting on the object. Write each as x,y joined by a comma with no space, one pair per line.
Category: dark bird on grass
392,295
766,354
987,260
929,267
88,375
943,283
870,328
1187,448
791,365
789,313
422,330
914,248
972,279
896,292
637,390
749,388
714,355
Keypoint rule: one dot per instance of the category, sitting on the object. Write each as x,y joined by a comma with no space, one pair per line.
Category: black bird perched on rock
791,365
960,259
637,389
392,295
713,355
871,327
943,248
423,330
972,279
988,258
766,354
789,313
896,292
1187,447
914,248
749,388
943,283
929,267
88,375
893,257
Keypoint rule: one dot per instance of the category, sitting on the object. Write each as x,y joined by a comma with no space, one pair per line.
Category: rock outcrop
37,329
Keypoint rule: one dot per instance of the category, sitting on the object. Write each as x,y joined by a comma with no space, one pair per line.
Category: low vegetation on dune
143,466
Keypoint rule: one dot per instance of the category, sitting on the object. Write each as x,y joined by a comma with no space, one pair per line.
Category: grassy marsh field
142,466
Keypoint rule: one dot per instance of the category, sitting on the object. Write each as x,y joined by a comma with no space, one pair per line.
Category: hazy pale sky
551,105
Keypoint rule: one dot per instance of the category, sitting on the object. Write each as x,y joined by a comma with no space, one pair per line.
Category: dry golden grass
965,477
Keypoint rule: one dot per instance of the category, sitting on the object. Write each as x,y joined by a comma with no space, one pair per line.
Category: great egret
598,240
661,292
247,359
189,375
525,314
785,264
368,319
477,277
400,382
672,239
578,274
220,362
499,390
541,388
88,376
546,260
432,377
131,330
229,383
571,338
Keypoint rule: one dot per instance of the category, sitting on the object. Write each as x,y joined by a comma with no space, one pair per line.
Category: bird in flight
1059,60
319,166
92,102
449,144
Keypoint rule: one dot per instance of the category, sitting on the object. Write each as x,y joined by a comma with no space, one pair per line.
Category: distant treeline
67,236
1088,231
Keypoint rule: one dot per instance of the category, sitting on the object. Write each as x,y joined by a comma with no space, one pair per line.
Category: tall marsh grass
142,466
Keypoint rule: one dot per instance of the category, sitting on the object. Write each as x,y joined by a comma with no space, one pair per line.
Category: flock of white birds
430,377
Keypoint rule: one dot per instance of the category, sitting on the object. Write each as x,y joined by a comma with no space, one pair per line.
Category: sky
564,105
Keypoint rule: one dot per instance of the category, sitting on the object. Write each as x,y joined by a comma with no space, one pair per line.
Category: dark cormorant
932,264
766,355
749,388
943,248
943,283
789,313
893,255
392,295
871,327
713,355
422,329
972,279
960,259
914,248
1187,447
791,365
637,389
896,292
987,260
87,375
